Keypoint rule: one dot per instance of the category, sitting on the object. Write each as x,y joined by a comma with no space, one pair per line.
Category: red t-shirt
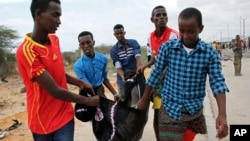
155,42
45,113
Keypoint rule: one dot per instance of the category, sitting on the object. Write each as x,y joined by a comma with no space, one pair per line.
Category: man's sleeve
105,71
137,48
114,57
216,78
32,62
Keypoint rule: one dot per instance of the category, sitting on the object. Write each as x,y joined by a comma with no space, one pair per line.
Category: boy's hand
221,127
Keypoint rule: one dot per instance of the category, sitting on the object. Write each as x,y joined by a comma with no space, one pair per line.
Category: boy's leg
156,106
189,135
156,124
195,126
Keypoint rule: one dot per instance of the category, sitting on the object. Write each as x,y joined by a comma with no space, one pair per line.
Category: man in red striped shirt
161,34
40,64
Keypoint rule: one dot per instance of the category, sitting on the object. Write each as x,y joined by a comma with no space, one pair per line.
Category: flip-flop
14,125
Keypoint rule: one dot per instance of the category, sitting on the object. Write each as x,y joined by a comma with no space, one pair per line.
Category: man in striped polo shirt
126,56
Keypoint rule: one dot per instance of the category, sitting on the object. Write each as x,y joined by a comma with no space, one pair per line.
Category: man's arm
78,82
221,121
148,64
138,62
46,81
121,73
144,101
73,81
106,82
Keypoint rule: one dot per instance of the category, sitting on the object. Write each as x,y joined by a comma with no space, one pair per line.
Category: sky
221,18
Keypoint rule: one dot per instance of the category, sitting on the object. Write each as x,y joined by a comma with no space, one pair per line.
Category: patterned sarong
172,130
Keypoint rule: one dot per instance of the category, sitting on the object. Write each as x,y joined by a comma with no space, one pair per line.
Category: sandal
14,125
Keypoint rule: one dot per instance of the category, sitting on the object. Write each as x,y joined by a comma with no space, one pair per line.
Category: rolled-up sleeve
137,48
161,62
114,55
216,78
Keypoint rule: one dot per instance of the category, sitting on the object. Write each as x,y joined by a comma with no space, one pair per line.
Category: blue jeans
65,133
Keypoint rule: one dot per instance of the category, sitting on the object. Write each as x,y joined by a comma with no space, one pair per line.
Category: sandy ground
13,106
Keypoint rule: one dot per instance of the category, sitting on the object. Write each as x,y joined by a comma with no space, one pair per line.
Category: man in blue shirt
126,56
91,67
188,60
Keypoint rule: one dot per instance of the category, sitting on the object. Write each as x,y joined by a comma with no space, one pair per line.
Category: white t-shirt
188,50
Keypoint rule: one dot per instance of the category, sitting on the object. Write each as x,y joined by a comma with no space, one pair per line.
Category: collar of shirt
89,58
162,36
119,45
197,46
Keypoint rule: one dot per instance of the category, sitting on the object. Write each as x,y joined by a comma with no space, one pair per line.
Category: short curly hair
40,4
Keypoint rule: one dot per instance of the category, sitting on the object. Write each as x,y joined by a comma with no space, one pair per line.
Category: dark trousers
100,91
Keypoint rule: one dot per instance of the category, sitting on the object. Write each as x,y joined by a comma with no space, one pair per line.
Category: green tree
8,39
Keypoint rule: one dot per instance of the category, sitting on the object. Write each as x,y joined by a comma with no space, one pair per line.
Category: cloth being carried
121,122
134,87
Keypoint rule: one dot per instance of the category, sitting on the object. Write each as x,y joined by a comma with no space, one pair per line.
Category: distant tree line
8,42
8,38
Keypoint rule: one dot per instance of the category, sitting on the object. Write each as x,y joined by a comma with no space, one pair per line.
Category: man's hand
140,69
87,86
142,105
153,94
117,97
221,127
93,101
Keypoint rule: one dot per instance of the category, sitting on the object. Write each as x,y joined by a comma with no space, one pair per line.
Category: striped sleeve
34,66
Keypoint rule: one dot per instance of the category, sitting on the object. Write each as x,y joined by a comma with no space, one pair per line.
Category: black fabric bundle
116,121
121,122
84,112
